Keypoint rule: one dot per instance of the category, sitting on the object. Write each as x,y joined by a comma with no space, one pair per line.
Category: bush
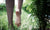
2,7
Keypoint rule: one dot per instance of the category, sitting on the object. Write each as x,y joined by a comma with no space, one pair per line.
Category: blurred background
29,18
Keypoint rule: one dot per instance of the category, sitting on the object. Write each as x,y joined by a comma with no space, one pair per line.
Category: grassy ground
27,23
4,20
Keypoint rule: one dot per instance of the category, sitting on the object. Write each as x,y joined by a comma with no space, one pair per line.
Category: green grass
26,22
4,20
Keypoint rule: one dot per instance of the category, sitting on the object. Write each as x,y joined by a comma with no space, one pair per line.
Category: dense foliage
39,9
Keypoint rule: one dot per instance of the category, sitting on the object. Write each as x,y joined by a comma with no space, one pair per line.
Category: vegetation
40,10
32,18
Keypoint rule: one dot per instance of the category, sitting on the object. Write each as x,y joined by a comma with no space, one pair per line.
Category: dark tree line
43,7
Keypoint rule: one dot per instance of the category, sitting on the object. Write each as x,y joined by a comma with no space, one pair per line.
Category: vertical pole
10,8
